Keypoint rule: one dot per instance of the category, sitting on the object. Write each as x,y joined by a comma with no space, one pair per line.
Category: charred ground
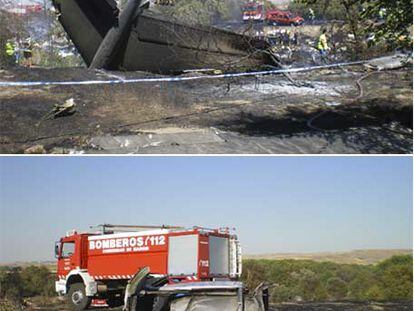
328,114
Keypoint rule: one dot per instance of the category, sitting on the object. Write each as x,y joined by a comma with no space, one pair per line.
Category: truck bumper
91,289
60,287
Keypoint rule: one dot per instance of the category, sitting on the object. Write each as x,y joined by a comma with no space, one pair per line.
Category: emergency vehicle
277,17
253,11
256,11
100,265
22,7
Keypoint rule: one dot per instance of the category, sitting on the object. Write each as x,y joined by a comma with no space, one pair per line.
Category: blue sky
277,204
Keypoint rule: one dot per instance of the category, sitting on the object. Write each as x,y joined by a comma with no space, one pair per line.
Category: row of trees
8,29
388,21
302,280
291,280
14,28
202,12
17,283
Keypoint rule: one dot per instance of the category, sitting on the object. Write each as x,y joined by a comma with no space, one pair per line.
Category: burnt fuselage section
155,43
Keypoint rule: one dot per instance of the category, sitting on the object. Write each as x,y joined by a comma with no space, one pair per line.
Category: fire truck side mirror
57,248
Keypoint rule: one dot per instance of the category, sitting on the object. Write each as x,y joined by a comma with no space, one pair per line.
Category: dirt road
327,114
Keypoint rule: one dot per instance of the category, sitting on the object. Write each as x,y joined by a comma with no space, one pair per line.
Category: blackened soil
328,115
345,306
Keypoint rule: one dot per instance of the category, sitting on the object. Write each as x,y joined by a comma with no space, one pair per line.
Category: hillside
361,257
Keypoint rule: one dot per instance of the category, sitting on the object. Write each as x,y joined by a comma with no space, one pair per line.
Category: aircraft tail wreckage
135,38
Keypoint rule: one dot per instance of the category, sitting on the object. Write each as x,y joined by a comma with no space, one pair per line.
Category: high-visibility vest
323,42
9,49
312,13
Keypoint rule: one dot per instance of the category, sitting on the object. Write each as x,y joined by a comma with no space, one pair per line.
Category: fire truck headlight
60,287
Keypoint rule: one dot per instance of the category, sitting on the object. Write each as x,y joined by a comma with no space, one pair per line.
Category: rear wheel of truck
77,298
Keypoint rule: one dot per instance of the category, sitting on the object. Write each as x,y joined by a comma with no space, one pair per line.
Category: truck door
66,261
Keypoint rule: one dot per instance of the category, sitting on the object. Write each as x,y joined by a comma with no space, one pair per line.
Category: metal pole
115,36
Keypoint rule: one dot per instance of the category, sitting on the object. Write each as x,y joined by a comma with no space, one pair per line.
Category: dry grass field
361,257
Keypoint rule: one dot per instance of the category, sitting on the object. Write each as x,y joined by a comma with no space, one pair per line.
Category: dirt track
245,115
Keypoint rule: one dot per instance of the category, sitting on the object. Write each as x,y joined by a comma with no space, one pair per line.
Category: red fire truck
100,265
256,11
23,7
253,11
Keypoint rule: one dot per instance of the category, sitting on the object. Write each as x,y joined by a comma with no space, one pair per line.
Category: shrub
318,281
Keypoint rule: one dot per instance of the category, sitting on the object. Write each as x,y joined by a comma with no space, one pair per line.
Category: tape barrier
178,79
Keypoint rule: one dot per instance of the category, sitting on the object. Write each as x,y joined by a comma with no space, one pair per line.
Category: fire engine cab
253,11
100,265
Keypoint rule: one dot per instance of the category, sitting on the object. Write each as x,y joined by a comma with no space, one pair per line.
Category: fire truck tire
77,299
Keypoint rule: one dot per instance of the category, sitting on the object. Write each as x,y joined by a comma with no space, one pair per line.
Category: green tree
37,281
362,18
396,276
337,288
325,9
319,281
199,12
360,286
396,23
254,273
347,10
311,286
284,292
375,293
10,284
11,27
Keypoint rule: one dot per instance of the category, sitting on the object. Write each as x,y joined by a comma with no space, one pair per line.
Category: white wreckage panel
220,295
210,303
207,286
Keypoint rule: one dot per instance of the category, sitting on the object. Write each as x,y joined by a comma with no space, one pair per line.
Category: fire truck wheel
77,298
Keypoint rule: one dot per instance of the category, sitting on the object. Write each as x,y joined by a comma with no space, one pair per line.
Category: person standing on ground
285,37
294,38
311,15
323,45
28,52
10,52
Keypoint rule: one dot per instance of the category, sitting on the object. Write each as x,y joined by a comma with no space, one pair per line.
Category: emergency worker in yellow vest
10,51
323,44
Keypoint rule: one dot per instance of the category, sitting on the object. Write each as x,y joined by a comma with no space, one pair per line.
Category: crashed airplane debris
154,294
391,62
138,39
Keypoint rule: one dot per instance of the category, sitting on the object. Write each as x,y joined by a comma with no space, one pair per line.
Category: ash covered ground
328,113
321,306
